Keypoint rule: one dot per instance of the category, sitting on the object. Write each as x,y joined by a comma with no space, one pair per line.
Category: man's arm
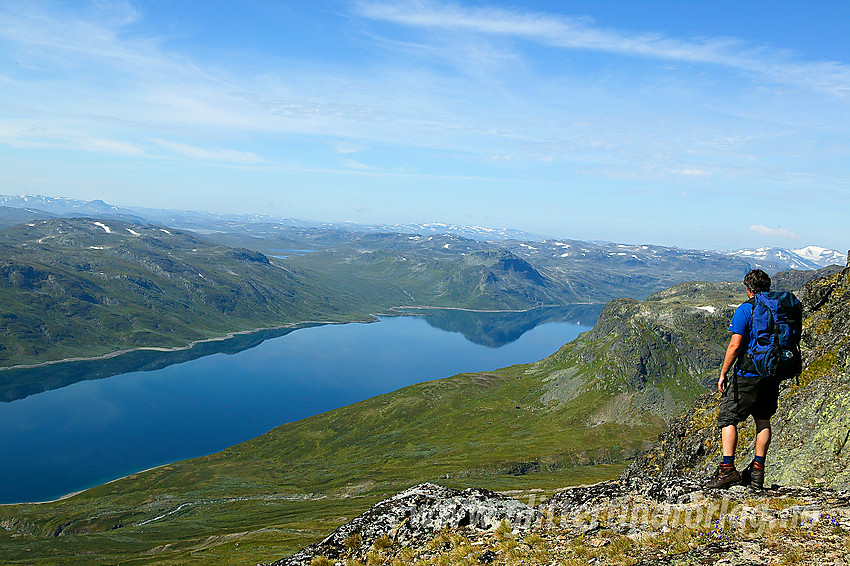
729,359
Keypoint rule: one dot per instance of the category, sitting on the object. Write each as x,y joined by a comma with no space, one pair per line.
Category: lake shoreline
79,491
230,335
278,382
294,325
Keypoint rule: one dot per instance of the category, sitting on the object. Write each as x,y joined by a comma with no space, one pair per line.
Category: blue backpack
773,351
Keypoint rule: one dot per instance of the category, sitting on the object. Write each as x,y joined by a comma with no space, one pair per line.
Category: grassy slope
272,495
69,288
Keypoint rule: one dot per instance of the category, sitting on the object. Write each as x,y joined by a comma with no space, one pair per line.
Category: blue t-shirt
741,321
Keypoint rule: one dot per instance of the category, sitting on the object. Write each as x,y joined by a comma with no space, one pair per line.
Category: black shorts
747,396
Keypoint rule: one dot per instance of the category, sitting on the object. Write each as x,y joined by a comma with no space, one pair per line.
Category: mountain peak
780,259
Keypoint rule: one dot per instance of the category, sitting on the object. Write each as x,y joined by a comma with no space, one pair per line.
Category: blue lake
67,439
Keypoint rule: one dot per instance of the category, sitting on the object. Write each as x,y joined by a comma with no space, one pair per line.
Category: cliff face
811,428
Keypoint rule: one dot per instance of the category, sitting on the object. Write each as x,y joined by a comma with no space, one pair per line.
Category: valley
573,417
84,287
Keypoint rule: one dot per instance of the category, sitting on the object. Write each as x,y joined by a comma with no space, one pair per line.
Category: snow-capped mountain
195,219
821,256
768,258
438,228
68,207
809,257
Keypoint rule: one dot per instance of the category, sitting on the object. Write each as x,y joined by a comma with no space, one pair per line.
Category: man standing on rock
745,394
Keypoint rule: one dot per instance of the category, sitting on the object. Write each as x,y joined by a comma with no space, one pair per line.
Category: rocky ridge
647,522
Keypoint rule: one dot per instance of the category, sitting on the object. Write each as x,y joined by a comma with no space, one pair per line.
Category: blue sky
696,124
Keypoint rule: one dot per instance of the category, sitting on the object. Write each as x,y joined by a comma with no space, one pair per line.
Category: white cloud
347,147
580,33
777,232
352,164
125,86
226,155
44,135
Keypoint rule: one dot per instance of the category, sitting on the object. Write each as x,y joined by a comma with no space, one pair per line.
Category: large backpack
773,351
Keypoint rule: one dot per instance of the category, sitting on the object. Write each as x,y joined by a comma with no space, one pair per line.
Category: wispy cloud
776,232
126,89
225,155
352,164
27,134
347,147
580,33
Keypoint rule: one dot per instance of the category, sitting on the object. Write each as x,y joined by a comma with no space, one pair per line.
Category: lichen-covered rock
414,515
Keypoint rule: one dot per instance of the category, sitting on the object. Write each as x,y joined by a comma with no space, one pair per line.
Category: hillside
603,270
571,418
86,287
439,271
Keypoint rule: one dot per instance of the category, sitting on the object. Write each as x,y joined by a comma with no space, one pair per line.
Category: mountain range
772,259
577,416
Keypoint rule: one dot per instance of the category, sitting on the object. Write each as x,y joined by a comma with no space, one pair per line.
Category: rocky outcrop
413,516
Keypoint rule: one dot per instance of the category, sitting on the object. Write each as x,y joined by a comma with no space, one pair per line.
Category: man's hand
729,360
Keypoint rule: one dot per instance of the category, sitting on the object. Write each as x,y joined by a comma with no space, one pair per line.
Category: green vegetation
70,288
572,418
442,271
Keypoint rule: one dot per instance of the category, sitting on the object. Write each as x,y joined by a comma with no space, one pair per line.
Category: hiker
753,388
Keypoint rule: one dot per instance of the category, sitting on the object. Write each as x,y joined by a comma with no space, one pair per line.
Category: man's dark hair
757,281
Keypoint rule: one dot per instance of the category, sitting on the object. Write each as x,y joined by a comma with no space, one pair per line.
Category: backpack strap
744,363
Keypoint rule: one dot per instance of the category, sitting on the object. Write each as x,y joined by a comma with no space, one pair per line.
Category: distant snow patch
164,230
133,232
97,247
710,309
445,246
106,228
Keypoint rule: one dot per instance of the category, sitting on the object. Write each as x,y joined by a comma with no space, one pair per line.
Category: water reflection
23,382
491,329
496,329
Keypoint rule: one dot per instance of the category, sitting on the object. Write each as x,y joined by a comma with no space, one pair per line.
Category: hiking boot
752,477
724,478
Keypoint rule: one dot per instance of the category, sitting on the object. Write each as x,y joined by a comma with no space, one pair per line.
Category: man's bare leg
729,434
762,436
